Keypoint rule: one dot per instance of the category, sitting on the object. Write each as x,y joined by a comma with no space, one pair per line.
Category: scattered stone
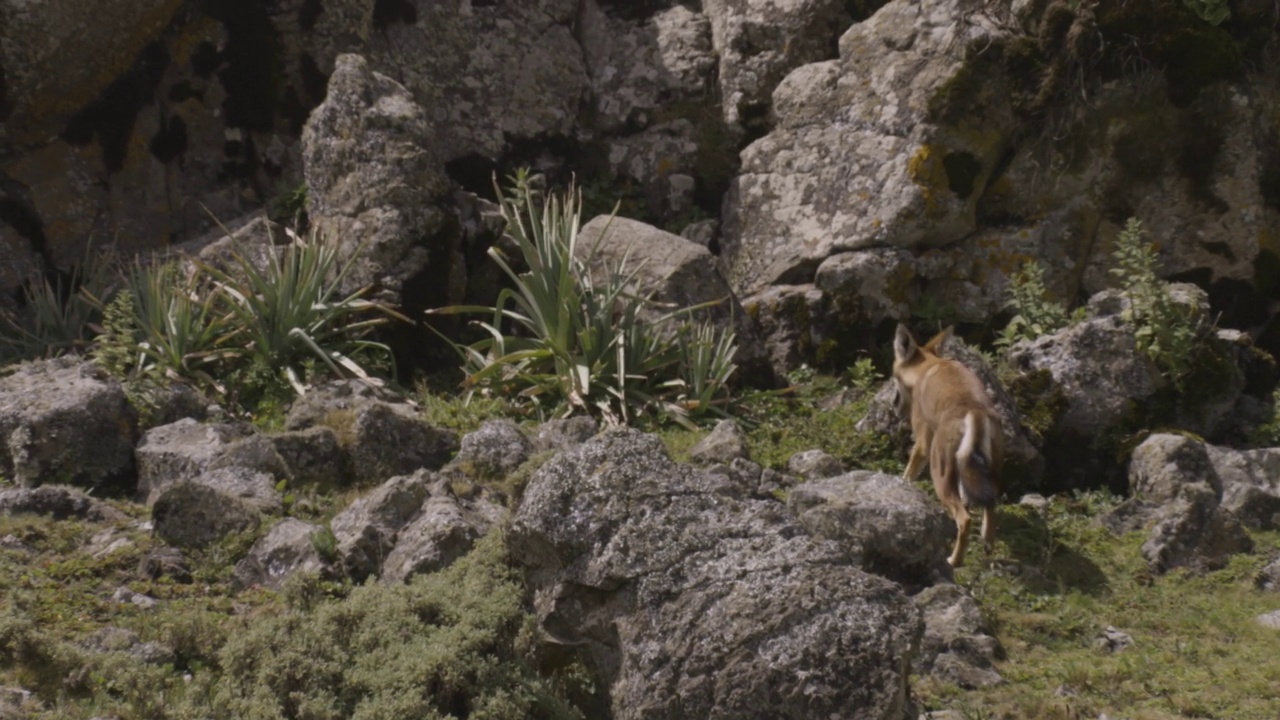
58,502
564,434
1268,578
493,451
314,457
288,548
1112,640
191,515
725,443
65,421
187,449
813,465
1270,620
125,595
165,562
367,530
444,530
957,645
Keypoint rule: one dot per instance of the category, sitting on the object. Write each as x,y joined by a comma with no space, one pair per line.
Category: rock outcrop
704,604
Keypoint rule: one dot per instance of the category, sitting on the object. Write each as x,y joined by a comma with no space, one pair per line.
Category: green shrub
1214,12
1164,329
1035,315
559,341
444,645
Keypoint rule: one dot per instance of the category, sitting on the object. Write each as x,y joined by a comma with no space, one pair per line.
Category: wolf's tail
978,486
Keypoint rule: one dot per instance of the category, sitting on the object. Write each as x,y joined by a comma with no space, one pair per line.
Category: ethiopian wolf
956,428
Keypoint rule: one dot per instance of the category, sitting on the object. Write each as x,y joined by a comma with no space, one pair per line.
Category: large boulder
686,600
55,501
759,41
1176,497
911,166
196,515
375,180
65,421
1094,388
494,450
489,76
187,449
290,547
367,530
893,527
675,273
382,435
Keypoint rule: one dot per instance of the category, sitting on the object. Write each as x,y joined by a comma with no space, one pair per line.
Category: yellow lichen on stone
926,170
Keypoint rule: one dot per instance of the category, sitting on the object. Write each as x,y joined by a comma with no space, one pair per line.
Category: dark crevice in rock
183,91
6,107
309,13
110,118
635,10
240,160
170,141
386,12
250,64
963,170
861,10
204,61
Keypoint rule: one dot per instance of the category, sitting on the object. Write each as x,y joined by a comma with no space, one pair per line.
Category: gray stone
367,530
192,515
893,527
255,488
288,548
724,444
564,434
1112,640
313,457
688,600
788,318
495,450
58,502
445,529
375,178
674,272
1268,578
187,449
958,646
1270,620
64,421
814,465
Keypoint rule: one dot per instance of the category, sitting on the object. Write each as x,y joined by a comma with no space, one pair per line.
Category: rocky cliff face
866,162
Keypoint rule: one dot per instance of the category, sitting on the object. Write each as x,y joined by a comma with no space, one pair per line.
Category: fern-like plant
560,340
1035,314
1165,330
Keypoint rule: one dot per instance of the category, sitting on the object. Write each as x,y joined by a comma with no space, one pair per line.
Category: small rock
725,443
495,450
1035,501
165,562
1112,640
814,465
1269,577
289,547
125,595
1270,620
188,514
565,433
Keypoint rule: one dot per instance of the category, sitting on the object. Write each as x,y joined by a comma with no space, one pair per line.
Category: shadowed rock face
688,601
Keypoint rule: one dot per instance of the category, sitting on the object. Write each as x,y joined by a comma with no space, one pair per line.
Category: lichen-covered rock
639,68
788,318
367,530
381,436
564,434
689,601
490,75
1176,496
725,443
256,488
893,527
760,41
186,449
814,465
1268,578
375,179
193,515
495,450
674,272
56,501
958,646
65,421
444,530
913,160
288,547
313,456
1250,484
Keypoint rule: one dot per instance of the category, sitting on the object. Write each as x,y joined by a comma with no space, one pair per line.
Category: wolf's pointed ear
904,346
936,341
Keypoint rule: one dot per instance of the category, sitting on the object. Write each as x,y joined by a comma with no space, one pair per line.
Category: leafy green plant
292,311
59,316
1164,329
560,340
863,374
183,324
1035,314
